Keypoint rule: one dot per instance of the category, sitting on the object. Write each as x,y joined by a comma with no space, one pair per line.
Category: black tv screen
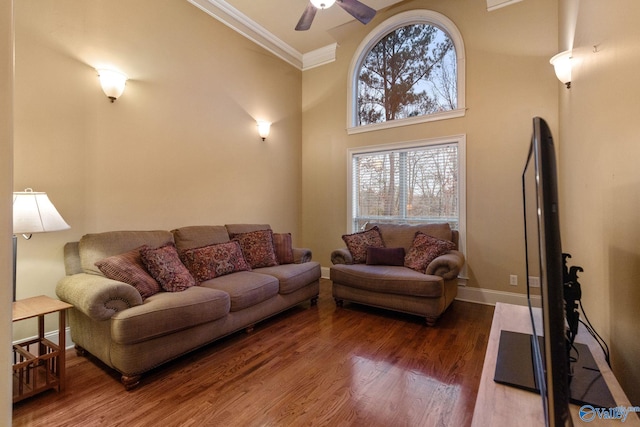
544,261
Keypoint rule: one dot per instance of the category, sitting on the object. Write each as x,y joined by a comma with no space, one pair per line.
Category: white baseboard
491,297
53,337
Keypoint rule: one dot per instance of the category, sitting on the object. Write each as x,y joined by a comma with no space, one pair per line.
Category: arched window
410,69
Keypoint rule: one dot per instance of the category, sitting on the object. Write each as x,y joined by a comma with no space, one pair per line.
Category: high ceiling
273,22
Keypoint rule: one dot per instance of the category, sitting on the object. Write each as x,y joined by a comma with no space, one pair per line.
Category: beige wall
509,81
600,148
6,172
180,147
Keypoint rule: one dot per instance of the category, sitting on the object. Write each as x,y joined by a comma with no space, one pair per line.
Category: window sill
451,114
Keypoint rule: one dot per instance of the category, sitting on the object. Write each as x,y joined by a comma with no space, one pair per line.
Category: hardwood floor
318,366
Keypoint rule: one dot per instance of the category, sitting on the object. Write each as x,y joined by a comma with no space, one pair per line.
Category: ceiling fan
360,11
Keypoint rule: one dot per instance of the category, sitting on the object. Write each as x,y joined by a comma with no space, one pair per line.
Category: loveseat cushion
165,313
388,279
245,288
402,235
94,247
292,277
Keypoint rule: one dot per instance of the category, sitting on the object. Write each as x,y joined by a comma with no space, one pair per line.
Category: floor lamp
33,212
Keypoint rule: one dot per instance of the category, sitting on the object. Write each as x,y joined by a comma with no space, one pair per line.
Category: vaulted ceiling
271,23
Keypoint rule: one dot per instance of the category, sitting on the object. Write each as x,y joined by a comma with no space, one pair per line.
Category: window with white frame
409,69
413,183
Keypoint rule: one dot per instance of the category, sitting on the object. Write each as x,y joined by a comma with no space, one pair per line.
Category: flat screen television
543,250
548,361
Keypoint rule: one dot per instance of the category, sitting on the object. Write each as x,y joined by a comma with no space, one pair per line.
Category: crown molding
239,22
319,57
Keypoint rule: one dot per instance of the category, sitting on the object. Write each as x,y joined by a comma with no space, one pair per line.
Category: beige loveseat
131,334
388,283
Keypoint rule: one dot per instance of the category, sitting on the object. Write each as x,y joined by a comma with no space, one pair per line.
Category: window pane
410,72
407,186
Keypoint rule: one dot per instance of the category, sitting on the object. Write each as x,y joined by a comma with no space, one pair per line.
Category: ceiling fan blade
360,11
307,18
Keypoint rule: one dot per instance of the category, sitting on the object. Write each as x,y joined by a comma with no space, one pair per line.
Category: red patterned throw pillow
208,262
128,268
257,248
425,249
357,243
165,266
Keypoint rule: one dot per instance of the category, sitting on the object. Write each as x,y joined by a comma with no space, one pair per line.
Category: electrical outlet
513,280
534,281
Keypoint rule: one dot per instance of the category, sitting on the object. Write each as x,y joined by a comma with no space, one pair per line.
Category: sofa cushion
165,313
388,279
164,265
402,235
94,247
197,236
214,260
245,288
424,250
257,247
292,277
385,256
245,228
283,248
357,243
128,268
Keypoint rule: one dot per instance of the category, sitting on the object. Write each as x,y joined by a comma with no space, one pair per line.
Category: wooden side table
38,364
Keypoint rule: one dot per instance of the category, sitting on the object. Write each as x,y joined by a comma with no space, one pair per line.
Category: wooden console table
38,364
502,405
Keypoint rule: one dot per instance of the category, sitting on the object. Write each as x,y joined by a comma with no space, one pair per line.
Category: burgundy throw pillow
165,266
283,248
425,249
128,268
385,256
257,248
357,243
211,261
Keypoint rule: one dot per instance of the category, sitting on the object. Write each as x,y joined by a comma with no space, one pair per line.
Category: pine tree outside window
410,69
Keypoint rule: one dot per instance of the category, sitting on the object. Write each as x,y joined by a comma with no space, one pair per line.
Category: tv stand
499,404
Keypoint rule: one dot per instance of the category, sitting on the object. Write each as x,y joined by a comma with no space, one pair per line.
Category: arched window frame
421,16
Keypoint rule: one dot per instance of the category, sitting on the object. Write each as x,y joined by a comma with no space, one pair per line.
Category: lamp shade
263,129
33,212
562,66
112,83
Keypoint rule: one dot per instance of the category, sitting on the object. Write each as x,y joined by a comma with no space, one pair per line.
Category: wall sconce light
112,82
562,66
263,129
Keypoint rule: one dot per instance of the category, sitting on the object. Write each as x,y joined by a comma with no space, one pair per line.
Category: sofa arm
447,266
341,256
301,255
96,296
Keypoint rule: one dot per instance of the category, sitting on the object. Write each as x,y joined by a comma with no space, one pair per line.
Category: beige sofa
132,335
396,287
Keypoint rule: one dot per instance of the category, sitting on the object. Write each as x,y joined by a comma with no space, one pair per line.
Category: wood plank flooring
318,366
